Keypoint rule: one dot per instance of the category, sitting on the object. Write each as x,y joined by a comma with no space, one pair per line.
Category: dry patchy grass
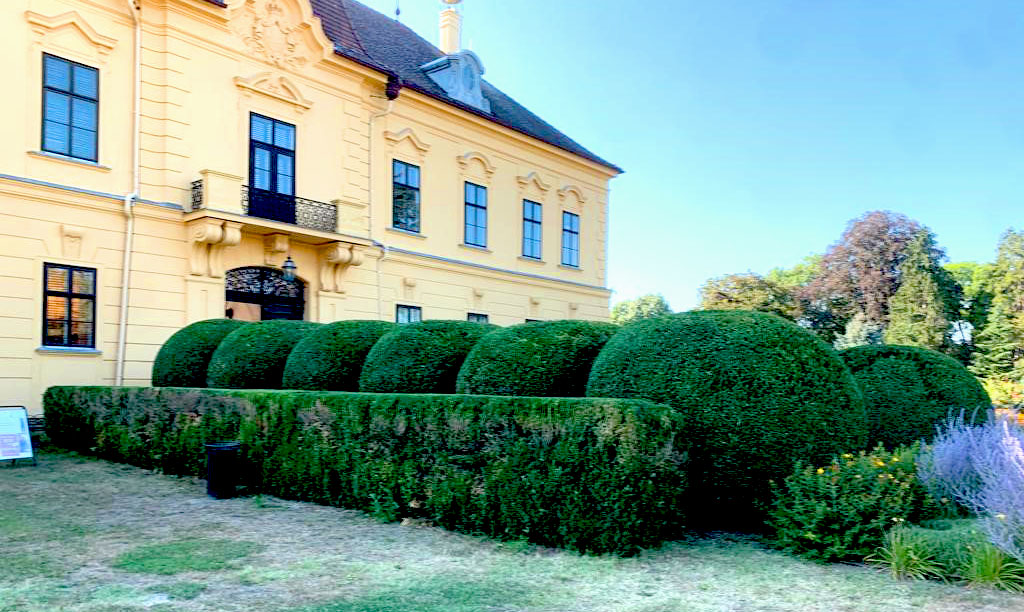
80,535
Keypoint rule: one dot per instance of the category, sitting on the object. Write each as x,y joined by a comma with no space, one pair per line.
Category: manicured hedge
908,390
420,357
183,359
602,475
545,359
758,392
254,356
331,357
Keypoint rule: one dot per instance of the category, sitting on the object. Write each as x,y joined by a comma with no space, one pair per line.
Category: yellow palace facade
167,161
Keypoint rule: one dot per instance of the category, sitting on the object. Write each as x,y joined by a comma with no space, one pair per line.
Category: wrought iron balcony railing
279,207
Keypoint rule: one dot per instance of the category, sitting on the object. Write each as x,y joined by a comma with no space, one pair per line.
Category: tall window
570,239
271,169
70,108
69,306
405,198
474,317
408,314
476,215
531,229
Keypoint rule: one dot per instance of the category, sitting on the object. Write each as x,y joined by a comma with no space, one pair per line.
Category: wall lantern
289,269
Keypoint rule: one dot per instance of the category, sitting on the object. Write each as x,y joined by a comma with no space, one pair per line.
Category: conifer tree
920,310
999,347
859,332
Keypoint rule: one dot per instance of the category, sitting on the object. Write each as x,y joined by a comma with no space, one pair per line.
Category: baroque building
168,161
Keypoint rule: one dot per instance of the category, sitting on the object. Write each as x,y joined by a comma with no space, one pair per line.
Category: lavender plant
981,467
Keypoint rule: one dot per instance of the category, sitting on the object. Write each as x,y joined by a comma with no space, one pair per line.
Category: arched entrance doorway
259,294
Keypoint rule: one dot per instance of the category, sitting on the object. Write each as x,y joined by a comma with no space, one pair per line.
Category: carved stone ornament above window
45,26
280,32
276,86
459,75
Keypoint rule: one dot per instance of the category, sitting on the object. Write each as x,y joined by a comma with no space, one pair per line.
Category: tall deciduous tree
927,301
747,292
860,273
643,307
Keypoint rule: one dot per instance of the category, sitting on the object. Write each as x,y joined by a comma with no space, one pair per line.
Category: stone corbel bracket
207,240
274,246
335,258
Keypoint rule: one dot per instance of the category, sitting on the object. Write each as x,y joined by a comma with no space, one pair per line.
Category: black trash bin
222,469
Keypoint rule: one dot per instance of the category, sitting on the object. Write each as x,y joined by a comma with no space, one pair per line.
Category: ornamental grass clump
981,466
841,511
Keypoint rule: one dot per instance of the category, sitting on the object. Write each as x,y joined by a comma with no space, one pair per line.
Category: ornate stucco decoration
335,258
485,164
71,241
573,192
407,134
45,26
276,86
207,240
533,179
284,33
460,76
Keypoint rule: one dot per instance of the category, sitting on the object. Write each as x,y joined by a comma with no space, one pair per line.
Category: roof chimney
451,28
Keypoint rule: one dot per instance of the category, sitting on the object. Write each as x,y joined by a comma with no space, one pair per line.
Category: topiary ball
253,357
908,390
545,359
184,357
759,394
420,357
331,357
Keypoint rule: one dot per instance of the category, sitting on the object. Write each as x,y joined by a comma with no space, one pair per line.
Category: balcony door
271,169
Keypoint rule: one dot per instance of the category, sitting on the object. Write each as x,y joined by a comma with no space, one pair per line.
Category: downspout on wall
394,88
129,199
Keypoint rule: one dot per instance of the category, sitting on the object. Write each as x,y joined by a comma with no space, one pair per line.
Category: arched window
259,294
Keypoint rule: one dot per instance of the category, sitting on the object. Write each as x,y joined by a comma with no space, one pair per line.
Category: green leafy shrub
955,550
420,357
183,359
254,356
841,511
759,393
331,357
909,390
600,475
545,359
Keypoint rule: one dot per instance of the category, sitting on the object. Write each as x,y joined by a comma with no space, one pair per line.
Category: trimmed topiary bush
758,392
909,390
545,359
331,357
595,475
254,356
420,357
183,359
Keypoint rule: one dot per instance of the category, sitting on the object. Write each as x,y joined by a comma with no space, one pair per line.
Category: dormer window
459,75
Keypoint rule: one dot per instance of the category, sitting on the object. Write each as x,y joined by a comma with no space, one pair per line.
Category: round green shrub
759,393
253,356
183,359
546,359
420,357
331,357
908,390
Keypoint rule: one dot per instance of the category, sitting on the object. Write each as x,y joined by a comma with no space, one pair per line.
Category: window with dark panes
271,169
70,108
69,306
408,314
405,198
570,239
476,215
531,229
474,317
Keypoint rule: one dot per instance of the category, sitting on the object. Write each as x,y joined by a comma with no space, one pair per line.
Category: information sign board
15,441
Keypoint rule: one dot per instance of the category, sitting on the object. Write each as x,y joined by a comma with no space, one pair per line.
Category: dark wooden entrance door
258,293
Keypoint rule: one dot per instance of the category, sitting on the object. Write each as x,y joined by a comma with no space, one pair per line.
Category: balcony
301,212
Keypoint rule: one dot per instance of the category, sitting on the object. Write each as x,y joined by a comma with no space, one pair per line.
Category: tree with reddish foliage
861,272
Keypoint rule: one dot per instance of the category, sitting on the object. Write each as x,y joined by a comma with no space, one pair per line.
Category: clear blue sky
752,130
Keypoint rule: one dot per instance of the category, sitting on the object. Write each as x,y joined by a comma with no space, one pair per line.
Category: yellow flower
847,456
1001,516
821,470
895,459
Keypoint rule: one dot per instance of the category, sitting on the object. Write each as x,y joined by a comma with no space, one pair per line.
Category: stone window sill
573,268
473,247
404,232
68,350
533,260
70,160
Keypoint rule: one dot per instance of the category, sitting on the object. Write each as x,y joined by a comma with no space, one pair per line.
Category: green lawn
80,535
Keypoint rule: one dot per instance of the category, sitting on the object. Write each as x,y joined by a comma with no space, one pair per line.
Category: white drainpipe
383,247
129,200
